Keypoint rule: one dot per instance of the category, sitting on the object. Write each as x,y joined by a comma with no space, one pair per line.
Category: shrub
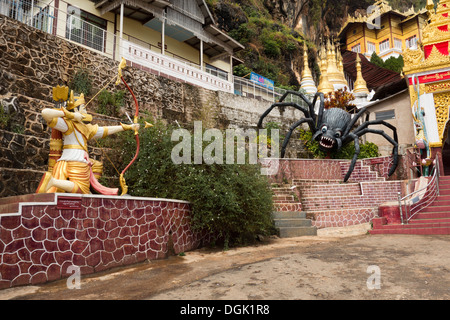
271,48
231,202
110,103
81,82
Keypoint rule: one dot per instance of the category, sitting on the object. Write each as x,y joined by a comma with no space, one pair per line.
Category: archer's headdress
75,101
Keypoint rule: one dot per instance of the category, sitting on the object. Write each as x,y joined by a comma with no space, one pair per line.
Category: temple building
383,30
427,70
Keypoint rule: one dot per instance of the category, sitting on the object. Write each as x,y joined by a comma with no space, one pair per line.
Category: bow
120,78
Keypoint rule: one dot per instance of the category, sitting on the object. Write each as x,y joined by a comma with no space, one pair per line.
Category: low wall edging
94,233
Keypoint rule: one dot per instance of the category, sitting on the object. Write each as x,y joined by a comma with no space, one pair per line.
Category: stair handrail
420,199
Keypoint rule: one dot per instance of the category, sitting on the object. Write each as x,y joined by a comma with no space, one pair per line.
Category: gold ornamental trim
415,61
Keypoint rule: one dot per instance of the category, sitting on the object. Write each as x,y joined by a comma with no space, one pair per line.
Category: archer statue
70,168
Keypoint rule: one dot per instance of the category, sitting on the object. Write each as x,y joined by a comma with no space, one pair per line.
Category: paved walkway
340,263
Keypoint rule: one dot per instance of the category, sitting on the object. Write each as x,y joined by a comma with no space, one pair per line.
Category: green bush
231,202
81,82
4,118
109,103
271,48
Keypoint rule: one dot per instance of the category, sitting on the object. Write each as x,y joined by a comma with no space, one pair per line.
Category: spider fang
327,142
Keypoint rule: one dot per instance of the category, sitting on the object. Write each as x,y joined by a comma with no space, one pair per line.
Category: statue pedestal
42,235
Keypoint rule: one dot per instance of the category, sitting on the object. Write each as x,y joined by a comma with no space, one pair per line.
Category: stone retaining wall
39,241
33,62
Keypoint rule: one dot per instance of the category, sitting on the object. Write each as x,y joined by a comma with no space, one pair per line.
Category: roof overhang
220,44
216,43
142,11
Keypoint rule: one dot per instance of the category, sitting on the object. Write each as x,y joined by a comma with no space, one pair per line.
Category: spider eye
338,134
324,129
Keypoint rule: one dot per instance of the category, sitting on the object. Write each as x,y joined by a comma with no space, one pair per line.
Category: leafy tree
392,63
232,202
376,60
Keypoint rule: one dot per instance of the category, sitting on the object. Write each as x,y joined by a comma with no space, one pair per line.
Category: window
371,48
85,28
384,45
216,72
411,42
385,115
357,48
398,44
43,20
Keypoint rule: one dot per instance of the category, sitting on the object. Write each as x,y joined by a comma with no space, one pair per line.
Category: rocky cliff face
316,19
311,20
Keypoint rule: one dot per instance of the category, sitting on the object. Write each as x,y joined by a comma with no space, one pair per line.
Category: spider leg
304,98
353,121
394,141
375,122
292,128
282,104
355,156
321,107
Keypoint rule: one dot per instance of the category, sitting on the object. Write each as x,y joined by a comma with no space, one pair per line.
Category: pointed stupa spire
336,78
324,86
360,84
307,82
340,65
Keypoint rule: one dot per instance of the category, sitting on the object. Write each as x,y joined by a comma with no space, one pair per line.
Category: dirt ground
339,263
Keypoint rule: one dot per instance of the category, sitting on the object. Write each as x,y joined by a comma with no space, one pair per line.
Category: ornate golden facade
428,70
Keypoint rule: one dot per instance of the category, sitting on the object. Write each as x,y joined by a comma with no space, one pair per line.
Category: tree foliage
392,63
232,202
341,99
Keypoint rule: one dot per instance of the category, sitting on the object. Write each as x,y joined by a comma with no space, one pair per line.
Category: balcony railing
169,67
45,17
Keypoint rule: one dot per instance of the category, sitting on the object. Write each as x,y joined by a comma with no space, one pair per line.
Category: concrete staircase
308,204
288,217
331,203
293,224
433,220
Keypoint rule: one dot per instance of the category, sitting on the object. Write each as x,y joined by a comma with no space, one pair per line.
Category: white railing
45,17
166,66
30,12
250,89
418,200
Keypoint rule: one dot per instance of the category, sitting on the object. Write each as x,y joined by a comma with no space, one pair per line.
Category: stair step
288,215
436,208
291,232
444,192
414,220
416,225
413,231
432,215
287,206
443,197
279,223
300,182
441,202
283,198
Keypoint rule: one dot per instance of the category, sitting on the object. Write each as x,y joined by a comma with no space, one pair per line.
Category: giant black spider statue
333,127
